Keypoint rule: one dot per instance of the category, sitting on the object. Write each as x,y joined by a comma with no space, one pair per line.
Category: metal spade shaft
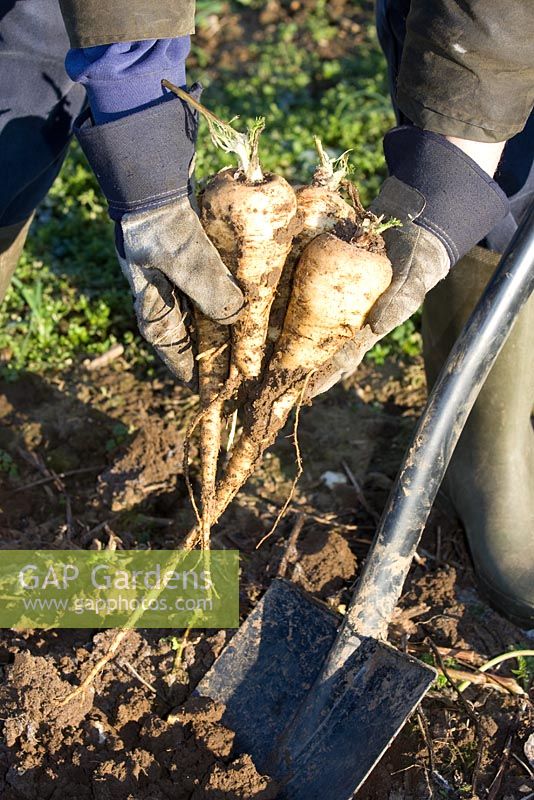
450,402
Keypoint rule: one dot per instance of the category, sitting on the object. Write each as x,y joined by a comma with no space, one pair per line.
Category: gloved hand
446,204
168,260
419,258
143,163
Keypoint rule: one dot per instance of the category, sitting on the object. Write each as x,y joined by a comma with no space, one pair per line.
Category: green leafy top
244,145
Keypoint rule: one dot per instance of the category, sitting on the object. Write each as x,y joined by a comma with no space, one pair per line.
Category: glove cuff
141,161
462,203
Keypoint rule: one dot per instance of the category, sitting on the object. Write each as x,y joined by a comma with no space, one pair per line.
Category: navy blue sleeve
462,202
126,77
140,146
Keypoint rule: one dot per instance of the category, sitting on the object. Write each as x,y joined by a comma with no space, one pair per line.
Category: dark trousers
38,104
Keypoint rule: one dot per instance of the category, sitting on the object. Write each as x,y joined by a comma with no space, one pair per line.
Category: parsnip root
310,265
251,226
213,365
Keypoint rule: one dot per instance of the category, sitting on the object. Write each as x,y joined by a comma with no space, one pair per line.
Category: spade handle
449,404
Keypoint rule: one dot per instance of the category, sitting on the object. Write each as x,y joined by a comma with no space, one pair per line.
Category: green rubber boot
490,480
12,240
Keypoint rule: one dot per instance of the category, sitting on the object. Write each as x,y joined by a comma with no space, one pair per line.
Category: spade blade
264,677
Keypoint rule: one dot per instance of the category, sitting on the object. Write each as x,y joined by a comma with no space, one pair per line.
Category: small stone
528,749
331,479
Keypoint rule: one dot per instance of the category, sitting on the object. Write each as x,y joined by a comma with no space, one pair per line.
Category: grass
69,299
344,101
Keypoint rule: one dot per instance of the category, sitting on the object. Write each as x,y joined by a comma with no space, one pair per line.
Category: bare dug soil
97,464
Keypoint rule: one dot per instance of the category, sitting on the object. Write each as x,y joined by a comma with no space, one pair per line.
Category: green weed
119,435
7,465
525,671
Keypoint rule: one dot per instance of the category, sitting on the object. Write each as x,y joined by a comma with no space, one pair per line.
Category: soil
137,732
113,741
97,463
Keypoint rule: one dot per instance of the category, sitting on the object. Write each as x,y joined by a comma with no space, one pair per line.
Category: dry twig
290,549
478,677
468,710
98,667
131,669
359,491
495,787
52,477
425,733
115,351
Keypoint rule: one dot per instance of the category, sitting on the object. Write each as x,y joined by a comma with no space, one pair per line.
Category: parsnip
335,285
250,218
319,208
322,302
337,280
213,365
250,224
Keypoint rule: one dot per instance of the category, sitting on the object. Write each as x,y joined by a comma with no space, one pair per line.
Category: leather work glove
446,204
143,162
168,260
